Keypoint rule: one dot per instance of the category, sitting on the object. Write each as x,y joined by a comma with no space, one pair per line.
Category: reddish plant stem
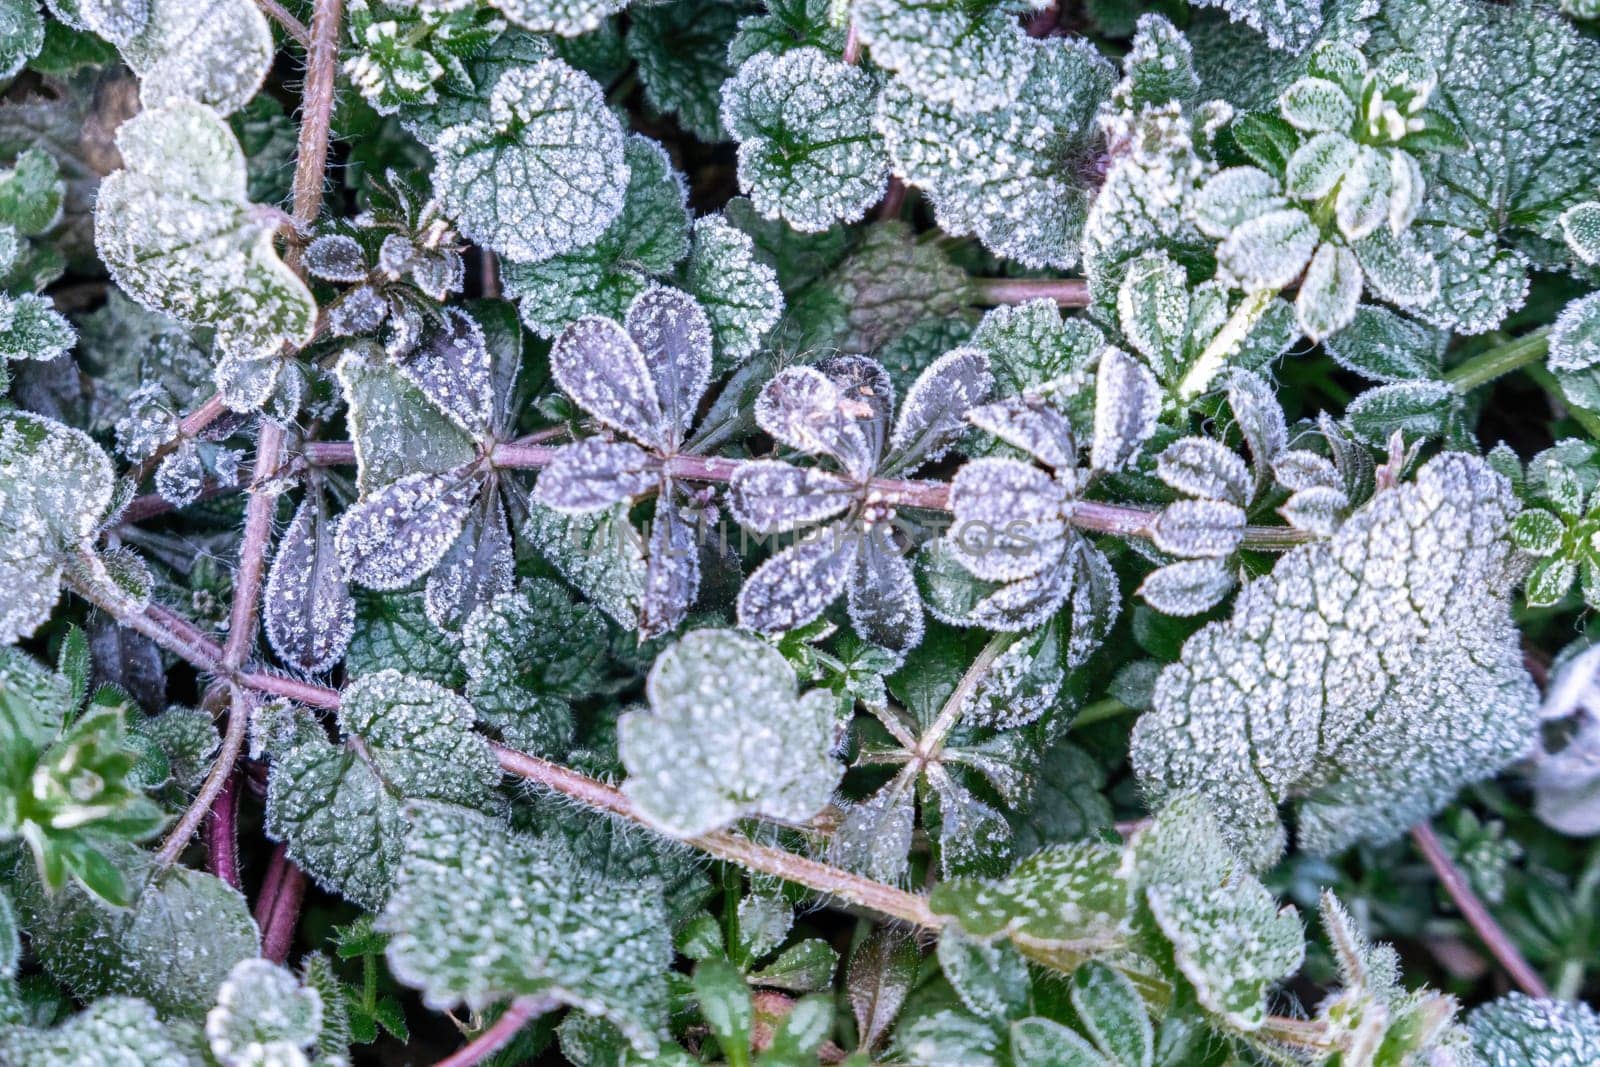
894,198
1493,936
1045,22
517,1015
211,788
1066,292
852,45
316,113
222,839
269,885
190,426
258,516
283,912
289,24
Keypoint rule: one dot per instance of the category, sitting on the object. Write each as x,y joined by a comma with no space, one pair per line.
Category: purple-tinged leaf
1202,467
672,571
1127,403
799,583
1031,424
308,610
593,474
358,311
673,333
1260,419
335,258
769,496
394,536
1009,519
932,417
1096,600
804,409
883,602
874,837
1198,528
1188,587
451,367
1026,603
597,364
1298,469
868,391
476,569
1317,510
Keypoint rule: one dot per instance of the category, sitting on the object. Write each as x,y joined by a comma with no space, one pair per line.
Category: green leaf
210,53
646,241
338,807
263,1015
807,151
480,913
725,1006
1518,1029
539,169
31,192
1415,409
1388,711
392,632
1388,347
804,967
111,1030
1575,337
881,975
1040,1042
1549,581
964,56
727,737
177,233
30,328
172,947
787,25
682,53
599,553
55,487
1005,176
949,1038
739,293
990,978
21,34
801,1035
1110,1009
1537,532
396,429
1290,25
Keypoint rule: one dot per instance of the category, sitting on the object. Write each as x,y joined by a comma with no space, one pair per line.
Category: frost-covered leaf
172,947
539,170
1575,338
991,978
308,612
1211,528
1268,251
395,535
1110,1009
969,57
1033,425
600,553
1004,176
481,913
21,34
787,25
726,737
451,367
646,240
1290,25
263,1017
55,487
600,366
682,53
1009,519
1329,292
338,806
1127,403
112,1030
1388,347
738,292
178,235
1519,1029
768,496
1580,226
1415,409
396,429
212,53
933,413
30,328
672,572
593,474
1405,682
808,153
474,570
1202,467
882,597
804,408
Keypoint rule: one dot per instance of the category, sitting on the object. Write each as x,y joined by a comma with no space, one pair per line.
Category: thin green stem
1499,361
1100,711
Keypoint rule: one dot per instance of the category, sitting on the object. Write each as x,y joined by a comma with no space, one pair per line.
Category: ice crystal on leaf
178,235
405,738
1009,176
787,25
481,913
539,169
55,488
1290,25
308,611
644,378
263,1017
211,52
841,410
727,737
112,1030
738,291
21,34
965,56
681,49
808,152
1519,1029
1368,676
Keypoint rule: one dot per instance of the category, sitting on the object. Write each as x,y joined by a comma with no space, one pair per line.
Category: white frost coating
263,1017
1517,1030
971,57
1575,338
933,412
543,172
1010,519
1127,404
1006,176
726,737
593,474
213,52
451,368
769,496
567,18
597,364
1369,676
1187,587
1289,25
394,535
179,235
481,913
740,293
1210,528
674,335
803,408
55,486
308,611
798,584
1199,466
808,153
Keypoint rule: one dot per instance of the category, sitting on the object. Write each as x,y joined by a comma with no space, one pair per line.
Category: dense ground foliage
966,533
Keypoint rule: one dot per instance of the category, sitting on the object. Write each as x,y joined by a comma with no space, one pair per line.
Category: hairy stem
932,740
1499,361
190,426
286,21
1066,292
258,516
852,45
221,771
819,877
1494,938
517,1015
316,113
